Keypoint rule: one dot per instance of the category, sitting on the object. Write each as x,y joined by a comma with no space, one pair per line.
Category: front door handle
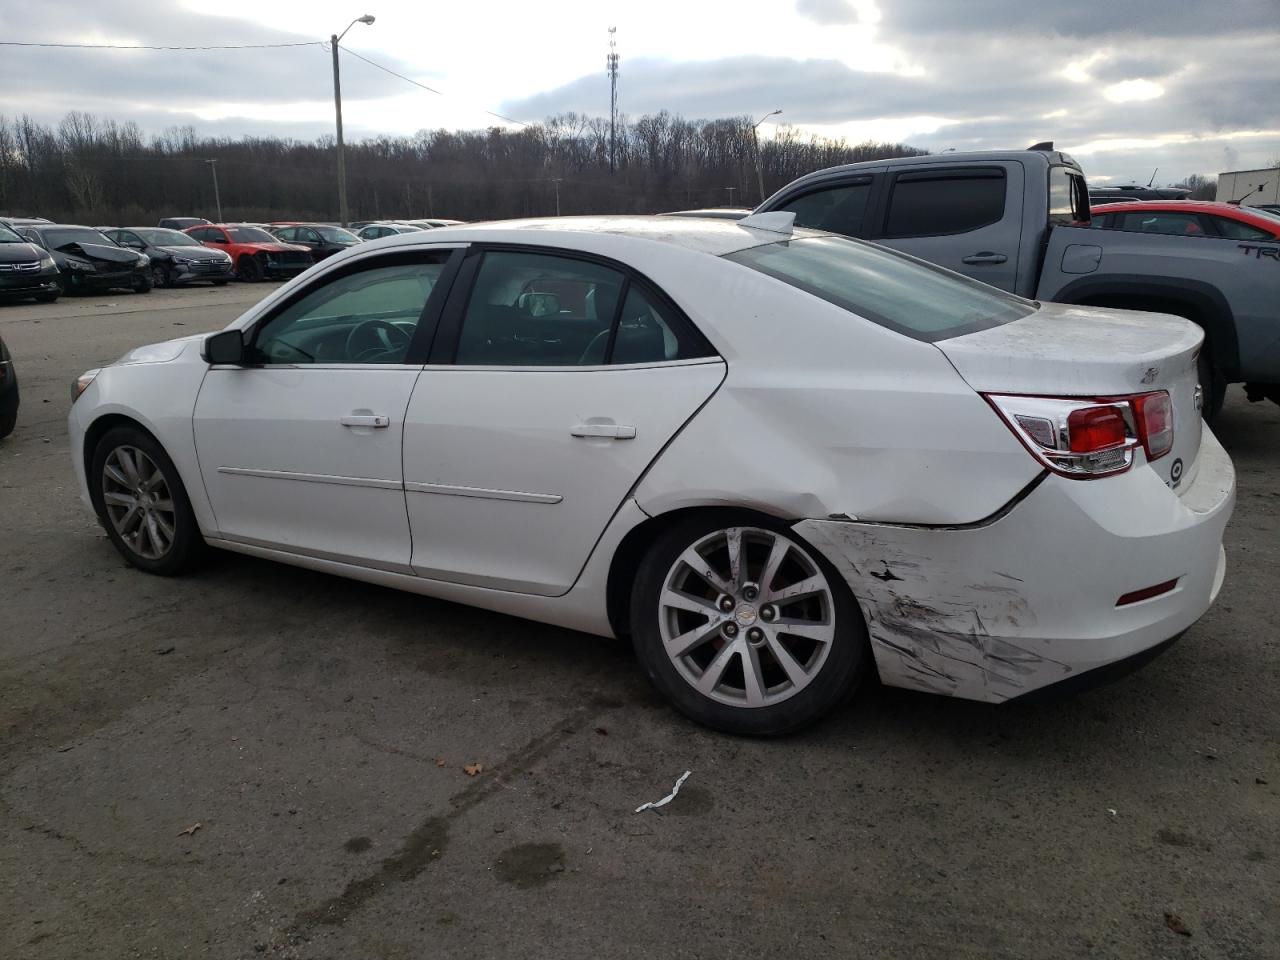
365,420
986,256
614,431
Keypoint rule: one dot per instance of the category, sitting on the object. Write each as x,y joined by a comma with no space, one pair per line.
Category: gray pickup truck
1019,220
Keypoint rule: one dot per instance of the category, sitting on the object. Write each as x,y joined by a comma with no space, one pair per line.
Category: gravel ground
262,760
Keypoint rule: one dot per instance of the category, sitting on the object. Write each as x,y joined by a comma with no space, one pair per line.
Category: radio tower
612,60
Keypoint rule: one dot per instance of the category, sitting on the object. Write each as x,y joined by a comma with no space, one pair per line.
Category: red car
256,253
1190,218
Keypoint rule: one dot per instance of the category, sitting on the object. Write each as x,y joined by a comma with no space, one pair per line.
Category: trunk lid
1074,351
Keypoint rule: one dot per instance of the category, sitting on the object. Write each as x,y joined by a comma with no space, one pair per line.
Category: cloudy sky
1189,86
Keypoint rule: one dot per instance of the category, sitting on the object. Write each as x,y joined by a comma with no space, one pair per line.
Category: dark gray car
176,257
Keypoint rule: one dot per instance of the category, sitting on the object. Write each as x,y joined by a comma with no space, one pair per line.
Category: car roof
716,237
1180,206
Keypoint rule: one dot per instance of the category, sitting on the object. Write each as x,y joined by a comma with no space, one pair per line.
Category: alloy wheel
747,617
138,502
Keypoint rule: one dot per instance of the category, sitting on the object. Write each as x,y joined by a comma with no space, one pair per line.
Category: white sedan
780,461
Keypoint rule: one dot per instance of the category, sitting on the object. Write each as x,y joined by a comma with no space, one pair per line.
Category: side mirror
224,347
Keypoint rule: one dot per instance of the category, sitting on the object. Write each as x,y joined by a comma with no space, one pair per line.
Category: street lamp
337,110
213,167
755,139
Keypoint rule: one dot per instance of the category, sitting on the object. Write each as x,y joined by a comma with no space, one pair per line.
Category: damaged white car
779,460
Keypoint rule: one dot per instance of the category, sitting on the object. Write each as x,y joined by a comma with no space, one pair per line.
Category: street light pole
755,139
337,112
217,200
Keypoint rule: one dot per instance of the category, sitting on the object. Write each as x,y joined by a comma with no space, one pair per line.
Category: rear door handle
986,256
365,420
615,431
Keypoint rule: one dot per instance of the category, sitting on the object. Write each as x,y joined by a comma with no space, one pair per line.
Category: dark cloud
73,77
1135,67
827,11
999,83
1082,18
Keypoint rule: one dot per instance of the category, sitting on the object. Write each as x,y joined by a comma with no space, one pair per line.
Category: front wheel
744,627
142,283
141,497
249,269
160,276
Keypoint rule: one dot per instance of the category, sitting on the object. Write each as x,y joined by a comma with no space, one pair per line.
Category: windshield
337,234
250,235
889,288
8,236
63,236
168,238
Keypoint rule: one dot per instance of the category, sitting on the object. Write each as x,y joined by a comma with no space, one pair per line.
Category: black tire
249,269
220,283
142,284
7,422
832,680
161,275
187,545
1212,382
48,297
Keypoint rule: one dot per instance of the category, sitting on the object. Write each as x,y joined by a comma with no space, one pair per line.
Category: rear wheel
141,497
745,628
249,269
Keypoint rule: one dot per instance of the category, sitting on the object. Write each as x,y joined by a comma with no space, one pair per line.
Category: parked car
9,399
181,223
257,255
432,224
1099,196
322,239
1019,220
87,260
27,271
597,423
176,258
15,222
1189,218
375,231
712,213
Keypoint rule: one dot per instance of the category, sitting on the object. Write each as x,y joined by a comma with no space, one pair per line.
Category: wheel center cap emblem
745,614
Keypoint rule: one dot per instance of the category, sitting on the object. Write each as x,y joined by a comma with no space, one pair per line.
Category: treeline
98,171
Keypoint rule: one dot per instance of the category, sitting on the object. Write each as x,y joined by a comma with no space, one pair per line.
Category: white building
1262,186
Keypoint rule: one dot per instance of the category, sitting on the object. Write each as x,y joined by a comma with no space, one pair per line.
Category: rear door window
838,209
929,205
550,310
1235,230
1164,222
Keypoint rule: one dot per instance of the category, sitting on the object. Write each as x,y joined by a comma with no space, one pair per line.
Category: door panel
508,480
282,469
927,215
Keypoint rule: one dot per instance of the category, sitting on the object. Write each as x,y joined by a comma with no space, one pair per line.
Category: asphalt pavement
260,760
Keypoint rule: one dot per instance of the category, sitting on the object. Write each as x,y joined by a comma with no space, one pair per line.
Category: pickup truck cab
1020,220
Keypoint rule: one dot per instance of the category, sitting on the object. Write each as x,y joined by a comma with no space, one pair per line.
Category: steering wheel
370,338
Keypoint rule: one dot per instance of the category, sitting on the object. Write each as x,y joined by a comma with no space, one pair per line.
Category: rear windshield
887,287
250,235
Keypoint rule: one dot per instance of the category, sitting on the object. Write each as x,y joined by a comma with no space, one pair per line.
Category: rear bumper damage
1028,599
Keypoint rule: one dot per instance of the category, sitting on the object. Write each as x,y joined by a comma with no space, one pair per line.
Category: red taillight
1088,437
1154,415
1091,429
